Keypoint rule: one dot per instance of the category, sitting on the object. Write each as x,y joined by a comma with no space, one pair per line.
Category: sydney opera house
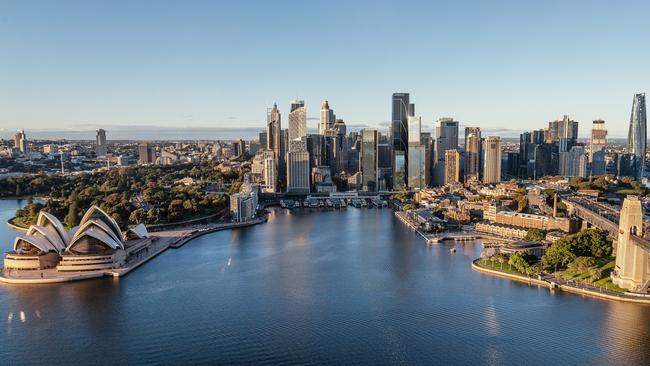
96,244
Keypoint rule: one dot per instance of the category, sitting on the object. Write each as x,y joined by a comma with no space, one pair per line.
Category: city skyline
102,73
283,185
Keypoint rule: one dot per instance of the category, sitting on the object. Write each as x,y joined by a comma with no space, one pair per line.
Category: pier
457,236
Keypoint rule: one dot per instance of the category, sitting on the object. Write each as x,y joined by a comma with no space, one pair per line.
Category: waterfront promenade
545,280
575,287
160,242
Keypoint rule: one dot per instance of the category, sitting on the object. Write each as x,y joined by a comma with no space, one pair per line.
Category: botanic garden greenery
130,195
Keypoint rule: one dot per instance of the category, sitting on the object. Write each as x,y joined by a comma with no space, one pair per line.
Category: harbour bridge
632,270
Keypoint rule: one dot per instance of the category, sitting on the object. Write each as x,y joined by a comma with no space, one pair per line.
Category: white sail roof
95,210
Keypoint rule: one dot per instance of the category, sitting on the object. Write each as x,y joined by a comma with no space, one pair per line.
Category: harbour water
325,287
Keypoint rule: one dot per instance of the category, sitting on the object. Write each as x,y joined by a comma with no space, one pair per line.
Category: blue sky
503,65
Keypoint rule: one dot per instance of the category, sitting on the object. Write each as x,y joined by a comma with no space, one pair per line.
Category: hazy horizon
505,65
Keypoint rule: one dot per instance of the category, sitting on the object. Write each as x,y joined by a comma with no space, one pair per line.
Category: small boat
453,250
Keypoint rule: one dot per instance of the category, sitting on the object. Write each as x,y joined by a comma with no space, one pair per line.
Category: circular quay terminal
341,182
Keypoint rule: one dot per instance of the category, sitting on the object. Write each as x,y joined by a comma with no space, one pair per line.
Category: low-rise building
506,231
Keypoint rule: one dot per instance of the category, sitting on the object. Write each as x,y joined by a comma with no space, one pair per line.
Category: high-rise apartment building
239,147
472,154
146,154
637,133
368,159
270,175
446,139
20,141
452,166
492,159
100,142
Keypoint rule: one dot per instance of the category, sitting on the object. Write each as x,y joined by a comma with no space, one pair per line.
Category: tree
582,264
72,218
517,260
596,243
522,201
137,216
534,235
558,254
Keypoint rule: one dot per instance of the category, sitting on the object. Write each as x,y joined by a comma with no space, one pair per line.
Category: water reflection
335,287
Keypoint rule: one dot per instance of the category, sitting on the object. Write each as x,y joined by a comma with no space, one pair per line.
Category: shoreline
161,242
550,284
564,287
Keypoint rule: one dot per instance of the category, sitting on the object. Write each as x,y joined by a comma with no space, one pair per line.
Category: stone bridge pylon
632,269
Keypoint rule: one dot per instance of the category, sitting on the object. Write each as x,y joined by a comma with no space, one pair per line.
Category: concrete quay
457,236
160,242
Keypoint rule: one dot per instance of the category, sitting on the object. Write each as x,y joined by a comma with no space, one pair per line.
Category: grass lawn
22,222
606,266
496,266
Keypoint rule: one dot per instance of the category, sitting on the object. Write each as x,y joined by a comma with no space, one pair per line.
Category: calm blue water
351,287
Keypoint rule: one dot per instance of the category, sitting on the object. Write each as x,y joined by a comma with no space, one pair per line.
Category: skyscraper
452,166
492,159
100,142
274,141
402,108
270,174
297,120
637,133
262,139
298,171
368,159
340,147
274,130
564,128
327,118
472,153
573,163
446,139
417,166
597,147
146,154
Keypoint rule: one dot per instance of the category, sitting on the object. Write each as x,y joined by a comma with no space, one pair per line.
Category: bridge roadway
593,215
586,212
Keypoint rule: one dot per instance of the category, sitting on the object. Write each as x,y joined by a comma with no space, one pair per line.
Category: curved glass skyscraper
637,134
